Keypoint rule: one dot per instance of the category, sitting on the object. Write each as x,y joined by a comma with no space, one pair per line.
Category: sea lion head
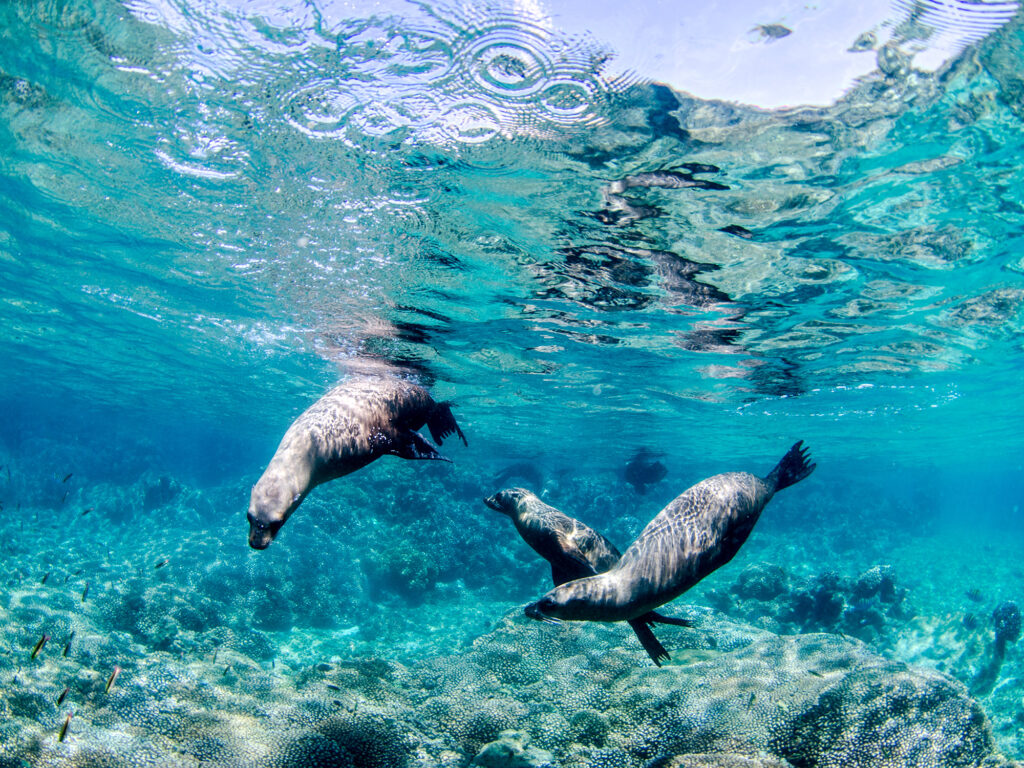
270,506
507,502
568,602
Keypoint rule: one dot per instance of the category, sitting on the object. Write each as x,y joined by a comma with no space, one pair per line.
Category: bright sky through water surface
787,53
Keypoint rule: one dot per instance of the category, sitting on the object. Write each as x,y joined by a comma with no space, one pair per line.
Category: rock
761,582
879,581
510,750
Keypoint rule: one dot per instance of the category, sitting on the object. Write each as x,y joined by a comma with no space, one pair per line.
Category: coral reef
525,695
511,750
870,607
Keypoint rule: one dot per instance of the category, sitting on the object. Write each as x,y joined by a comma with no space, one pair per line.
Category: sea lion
644,470
698,532
520,470
574,551
353,424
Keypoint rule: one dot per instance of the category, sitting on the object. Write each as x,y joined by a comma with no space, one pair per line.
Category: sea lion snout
506,501
538,610
270,506
261,534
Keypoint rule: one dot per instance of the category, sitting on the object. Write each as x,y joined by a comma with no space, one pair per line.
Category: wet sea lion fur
697,533
574,550
350,426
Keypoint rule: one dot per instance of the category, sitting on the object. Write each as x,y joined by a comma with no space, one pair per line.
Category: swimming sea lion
643,470
352,425
698,532
574,551
520,470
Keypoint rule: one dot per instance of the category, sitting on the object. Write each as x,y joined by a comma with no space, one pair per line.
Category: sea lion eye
256,523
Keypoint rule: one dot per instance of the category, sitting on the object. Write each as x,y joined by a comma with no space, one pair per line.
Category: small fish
816,674
699,167
736,229
85,592
64,497
772,31
67,477
67,647
750,701
337,703
45,577
112,678
40,645
162,563
227,669
86,511
64,728
216,650
63,695
333,687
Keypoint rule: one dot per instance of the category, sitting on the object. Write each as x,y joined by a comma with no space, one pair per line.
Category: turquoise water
707,235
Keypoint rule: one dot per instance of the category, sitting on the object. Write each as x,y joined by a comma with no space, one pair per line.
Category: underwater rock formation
511,750
870,608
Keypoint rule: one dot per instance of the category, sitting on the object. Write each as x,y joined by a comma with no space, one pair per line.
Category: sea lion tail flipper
650,643
657,618
412,445
441,423
793,467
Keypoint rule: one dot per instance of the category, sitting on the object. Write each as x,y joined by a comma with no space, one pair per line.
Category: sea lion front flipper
441,423
570,569
412,445
647,639
657,618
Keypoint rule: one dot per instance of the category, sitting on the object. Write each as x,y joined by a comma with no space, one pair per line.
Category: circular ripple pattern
508,69
320,109
452,76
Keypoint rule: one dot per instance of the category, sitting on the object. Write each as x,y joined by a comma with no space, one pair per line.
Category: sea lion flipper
559,575
441,424
657,618
573,567
792,468
650,643
412,445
